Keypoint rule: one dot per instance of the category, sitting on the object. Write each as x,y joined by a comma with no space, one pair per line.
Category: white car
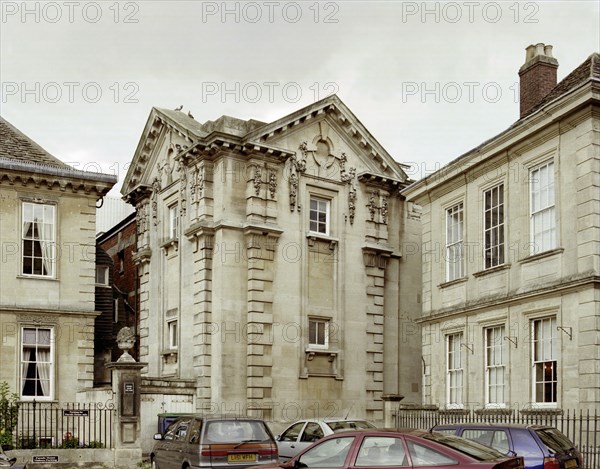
303,433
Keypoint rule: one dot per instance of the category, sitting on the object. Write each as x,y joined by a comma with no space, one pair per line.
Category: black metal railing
65,425
581,427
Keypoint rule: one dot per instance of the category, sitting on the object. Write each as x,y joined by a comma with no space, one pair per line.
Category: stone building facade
48,273
270,271
511,255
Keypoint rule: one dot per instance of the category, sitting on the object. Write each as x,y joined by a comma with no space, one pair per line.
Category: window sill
171,244
169,356
492,270
543,409
312,351
37,277
541,255
493,411
454,411
312,237
453,282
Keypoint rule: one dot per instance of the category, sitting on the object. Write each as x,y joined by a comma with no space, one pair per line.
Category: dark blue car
542,447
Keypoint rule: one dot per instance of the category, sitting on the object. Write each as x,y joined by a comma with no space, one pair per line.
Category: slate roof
15,145
589,69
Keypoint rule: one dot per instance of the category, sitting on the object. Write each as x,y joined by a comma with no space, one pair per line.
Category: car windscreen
554,440
344,425
470,448
235,431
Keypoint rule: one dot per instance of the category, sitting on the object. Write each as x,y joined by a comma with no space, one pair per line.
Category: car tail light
267,452
551,463
209,453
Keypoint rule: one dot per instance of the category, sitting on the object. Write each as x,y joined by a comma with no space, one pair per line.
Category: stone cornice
553,289
25,173
391,184
21,310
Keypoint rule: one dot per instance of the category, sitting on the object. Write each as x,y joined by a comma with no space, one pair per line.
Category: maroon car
400,448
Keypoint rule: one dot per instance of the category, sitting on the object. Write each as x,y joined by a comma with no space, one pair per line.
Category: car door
173,456
287,443
311,432
329,453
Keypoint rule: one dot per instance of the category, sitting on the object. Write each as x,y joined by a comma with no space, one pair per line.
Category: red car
400,448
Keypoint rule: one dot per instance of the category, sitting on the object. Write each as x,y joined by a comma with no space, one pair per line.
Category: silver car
303,433
213,442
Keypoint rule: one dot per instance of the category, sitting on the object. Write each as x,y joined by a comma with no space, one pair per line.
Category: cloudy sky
430,80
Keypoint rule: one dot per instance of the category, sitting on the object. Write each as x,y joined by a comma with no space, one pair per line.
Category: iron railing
581,427
66,425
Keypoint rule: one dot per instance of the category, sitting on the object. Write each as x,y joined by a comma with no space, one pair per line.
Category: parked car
400,448
197,440
542,447
303,433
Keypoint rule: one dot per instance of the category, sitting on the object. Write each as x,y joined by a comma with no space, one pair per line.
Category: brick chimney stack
537,75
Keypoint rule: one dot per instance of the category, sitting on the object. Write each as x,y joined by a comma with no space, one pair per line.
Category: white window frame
454,371
173,221
172,334
321,326
495,366
105,280
323,207
46,239
26,362
493,227
542,210
544,356
455,242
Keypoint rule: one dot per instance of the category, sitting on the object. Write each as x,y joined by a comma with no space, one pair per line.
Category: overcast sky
430,80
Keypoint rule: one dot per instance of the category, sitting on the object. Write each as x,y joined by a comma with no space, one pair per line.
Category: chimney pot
548,51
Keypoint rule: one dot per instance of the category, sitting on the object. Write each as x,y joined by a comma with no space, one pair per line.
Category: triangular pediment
330,121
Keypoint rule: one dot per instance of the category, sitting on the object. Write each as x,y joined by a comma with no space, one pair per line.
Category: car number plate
570,463
245,457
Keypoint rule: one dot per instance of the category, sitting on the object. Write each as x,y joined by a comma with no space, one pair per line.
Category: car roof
493,425
219,417
332,419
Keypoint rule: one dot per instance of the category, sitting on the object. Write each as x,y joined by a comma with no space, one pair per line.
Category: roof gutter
36,168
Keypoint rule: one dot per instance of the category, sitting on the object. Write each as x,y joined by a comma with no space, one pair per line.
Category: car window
235,431
170,431
312,432
349,425
330,453
524,444
181,431
291,434
195,431
554,440
380,451
497,439
425,456
468,447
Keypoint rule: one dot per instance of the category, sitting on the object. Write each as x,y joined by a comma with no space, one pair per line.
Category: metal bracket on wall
512,339
569,332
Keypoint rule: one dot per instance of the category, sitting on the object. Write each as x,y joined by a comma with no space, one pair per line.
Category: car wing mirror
277,437
158,436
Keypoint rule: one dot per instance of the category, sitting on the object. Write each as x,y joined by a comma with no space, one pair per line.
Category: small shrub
70,441
95,444
9,414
